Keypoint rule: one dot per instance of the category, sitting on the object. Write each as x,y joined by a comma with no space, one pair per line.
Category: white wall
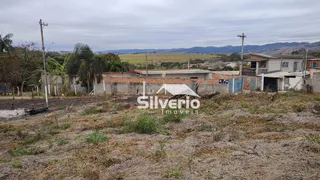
275,65
294,83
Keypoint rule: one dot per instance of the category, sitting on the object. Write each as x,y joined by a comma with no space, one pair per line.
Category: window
313,65
285,64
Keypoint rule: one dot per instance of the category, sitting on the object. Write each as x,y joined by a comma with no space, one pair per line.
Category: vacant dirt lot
54,103
246,136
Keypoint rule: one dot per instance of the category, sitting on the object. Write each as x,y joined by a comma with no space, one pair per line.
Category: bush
65,126
6,128
298,107
90,110
20,151
205,127
144,125
174,172
96,137
30,139
62,141
160,153
16,164
176,118
314,138
70,93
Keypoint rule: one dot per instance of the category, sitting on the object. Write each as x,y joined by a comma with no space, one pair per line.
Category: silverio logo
188,105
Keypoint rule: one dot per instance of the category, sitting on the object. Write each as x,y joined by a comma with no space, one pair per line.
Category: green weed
298,107
174,172
62,141
16,164
315,138
20,151
144,124
96,137
90,110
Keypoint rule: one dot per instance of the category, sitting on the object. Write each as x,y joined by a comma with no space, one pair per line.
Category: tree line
21,66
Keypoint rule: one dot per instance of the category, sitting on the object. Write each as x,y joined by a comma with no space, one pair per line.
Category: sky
137,24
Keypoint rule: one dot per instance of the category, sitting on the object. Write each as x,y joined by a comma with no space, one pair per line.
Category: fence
235,85
113,87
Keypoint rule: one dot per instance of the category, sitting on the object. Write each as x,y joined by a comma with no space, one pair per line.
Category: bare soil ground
55,103
245,136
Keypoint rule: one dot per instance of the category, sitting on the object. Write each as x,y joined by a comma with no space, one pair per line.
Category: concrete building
261,63
120,74
313,64
282,81
278,72
179,74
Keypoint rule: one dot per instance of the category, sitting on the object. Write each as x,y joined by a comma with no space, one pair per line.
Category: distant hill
278,48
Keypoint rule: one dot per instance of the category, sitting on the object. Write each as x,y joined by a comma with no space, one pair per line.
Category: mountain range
274,48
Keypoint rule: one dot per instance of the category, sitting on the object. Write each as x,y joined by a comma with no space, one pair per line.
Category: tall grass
144,124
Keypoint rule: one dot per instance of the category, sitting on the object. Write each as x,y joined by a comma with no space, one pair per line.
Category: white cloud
126,24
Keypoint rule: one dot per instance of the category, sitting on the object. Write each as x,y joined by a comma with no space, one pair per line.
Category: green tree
6,43
30,64
89,67
56,69
8,62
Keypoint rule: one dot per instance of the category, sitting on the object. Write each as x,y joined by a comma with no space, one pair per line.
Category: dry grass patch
207,151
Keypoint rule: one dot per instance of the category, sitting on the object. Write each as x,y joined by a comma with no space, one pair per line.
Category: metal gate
235,85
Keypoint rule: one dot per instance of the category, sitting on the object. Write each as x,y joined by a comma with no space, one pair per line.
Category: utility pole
42,24
242,37
305,64
146,64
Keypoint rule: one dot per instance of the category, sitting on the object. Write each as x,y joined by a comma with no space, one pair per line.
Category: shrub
176,118
62,141
218,136
205,127
144,125
90,110
4,160
70,93
65,126
160,153
298,107
16,164
20,151
96,137
174,172
314,138
29,139
6,128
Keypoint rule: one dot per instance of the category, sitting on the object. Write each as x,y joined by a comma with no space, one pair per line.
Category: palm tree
81,63
89,67
56,69
5,43
5,47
